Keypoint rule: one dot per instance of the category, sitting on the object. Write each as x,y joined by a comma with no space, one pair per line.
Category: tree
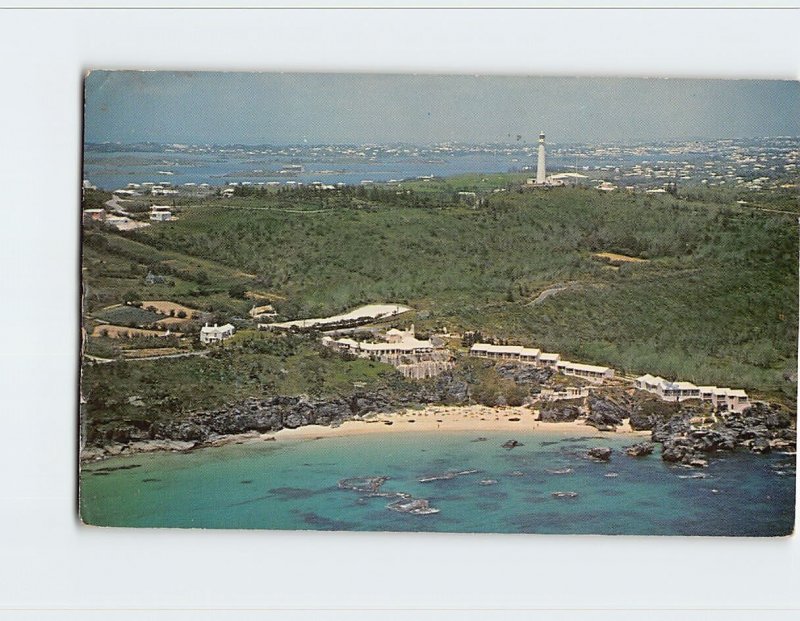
130,297
237,291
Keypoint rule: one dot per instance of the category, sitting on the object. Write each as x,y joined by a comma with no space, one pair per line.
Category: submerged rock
695,461
363,484
640,449
510,444
414,506
446,476
601,453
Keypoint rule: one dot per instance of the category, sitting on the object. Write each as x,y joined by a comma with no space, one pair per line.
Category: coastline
429,419
436,418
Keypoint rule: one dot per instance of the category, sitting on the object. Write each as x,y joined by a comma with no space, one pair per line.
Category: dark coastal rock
510,444
640,449
128,433
295,420
710,440
559,412
760,446
601,453
184,431
673,453
605,414
647,413
447,390
664,430
694,460
782,444
524,373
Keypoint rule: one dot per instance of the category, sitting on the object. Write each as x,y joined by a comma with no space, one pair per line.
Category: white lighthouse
541,173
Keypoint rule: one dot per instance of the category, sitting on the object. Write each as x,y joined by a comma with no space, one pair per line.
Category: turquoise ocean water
293,485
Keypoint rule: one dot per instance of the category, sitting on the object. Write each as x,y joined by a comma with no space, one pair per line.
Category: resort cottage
215,333
733,400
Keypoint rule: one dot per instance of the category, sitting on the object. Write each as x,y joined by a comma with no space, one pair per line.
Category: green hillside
714,301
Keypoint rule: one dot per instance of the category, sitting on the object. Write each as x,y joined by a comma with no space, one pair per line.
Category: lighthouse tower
541,174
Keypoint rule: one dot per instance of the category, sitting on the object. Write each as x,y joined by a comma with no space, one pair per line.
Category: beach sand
475,418
433,419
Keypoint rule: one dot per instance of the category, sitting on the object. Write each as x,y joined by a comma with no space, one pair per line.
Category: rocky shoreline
689,433
254,417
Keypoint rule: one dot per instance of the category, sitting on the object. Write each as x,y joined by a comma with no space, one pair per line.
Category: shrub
515,394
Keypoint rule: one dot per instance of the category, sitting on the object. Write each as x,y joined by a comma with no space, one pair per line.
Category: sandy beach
433,419
475,418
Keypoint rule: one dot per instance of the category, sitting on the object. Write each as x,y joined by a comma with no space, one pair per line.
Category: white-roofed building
413,357
548,360
501,352
398,342
647,382
734,400
529,355
161,213
586,371
215,333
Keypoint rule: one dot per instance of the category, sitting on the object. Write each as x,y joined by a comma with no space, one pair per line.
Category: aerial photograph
439,303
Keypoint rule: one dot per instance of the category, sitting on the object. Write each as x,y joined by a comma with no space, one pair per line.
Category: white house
160,213
215,333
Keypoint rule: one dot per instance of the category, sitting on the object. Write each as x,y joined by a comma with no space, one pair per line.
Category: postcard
443,303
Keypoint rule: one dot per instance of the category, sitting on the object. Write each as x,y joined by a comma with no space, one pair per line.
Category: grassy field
714,302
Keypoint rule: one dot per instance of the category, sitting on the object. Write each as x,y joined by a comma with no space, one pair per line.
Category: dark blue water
293,485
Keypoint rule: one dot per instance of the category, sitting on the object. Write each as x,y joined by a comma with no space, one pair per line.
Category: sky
279,109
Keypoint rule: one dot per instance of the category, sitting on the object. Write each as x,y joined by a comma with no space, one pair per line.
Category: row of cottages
541,359
731,399
215,333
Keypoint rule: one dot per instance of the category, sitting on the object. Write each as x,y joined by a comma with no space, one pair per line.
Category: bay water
547,485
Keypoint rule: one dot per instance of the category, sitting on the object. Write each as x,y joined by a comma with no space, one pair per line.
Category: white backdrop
50,562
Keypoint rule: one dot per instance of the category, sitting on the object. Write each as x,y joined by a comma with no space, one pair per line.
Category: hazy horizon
226,108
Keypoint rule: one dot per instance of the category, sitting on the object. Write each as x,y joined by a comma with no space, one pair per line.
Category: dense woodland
714,301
